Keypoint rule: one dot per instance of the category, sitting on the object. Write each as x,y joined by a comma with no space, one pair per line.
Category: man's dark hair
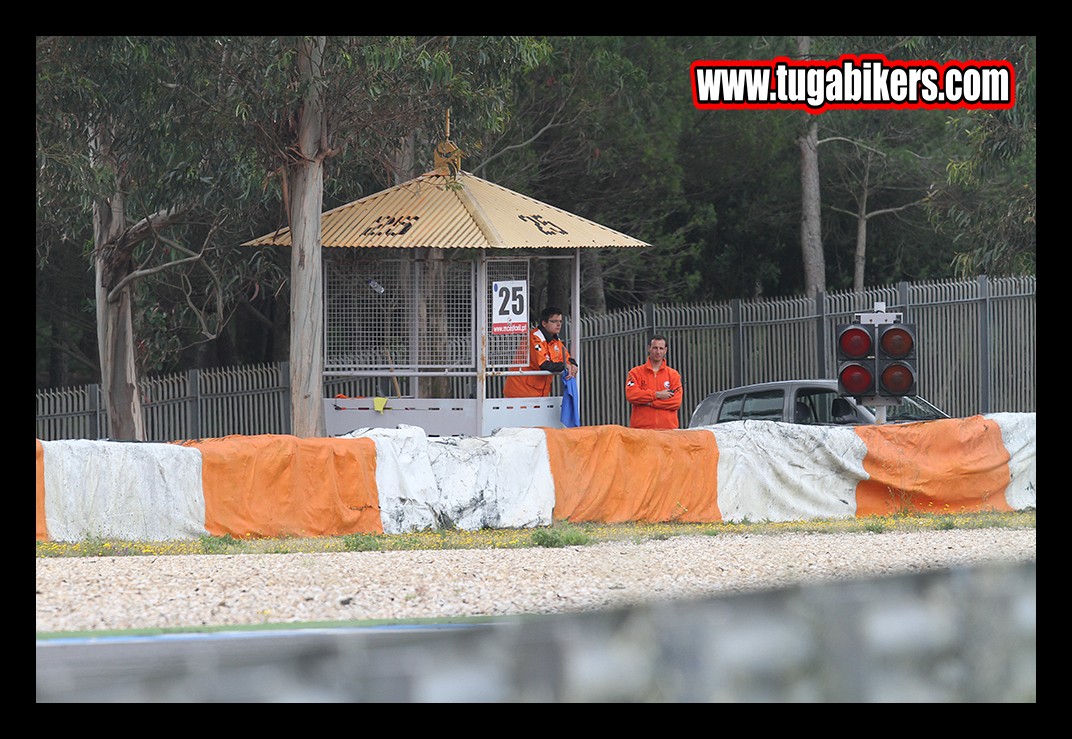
551,310
658,337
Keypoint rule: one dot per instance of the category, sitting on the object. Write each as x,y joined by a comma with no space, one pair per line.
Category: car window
704,415
809,403
731,409
764,406
815,406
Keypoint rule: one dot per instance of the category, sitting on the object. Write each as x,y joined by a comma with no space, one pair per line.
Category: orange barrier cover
616,474
956,465
277,485
42,524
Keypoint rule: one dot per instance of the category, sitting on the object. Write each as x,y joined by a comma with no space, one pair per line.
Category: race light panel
896,359
856,359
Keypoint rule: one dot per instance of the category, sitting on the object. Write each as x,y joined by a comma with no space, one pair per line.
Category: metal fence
976,350
976,355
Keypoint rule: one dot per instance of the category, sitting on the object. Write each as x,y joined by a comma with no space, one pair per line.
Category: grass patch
361,543
559,534
218,544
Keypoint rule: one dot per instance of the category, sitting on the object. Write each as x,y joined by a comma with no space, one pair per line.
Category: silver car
802,401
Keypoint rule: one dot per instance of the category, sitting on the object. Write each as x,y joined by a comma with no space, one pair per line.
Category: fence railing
976,355
976,349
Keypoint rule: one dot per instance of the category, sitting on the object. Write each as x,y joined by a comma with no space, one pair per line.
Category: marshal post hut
427,301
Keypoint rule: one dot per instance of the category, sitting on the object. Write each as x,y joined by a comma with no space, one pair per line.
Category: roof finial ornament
447,156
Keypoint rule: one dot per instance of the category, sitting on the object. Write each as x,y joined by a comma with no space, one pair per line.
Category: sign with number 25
510,307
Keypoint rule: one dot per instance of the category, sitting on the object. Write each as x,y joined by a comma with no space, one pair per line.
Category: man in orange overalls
654,390
546,352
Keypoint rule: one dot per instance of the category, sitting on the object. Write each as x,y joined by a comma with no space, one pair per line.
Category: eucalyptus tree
127,153
813,257
596,131
309,100
987,203
971,172
880,165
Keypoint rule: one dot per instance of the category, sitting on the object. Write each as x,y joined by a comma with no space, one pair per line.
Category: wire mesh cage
401,312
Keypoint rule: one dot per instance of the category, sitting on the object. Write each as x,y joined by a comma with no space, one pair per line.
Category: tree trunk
115,324
860,257
811,226
306,180
559,284
432,316
431,306
59,364
593,297
811,233
115,344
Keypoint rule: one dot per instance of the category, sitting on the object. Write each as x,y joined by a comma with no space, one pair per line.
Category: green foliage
559,536
987,205
218,544
361,543
602,126
140,116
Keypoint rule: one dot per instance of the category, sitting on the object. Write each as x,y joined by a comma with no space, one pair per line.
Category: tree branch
144,228
883,211
853,142
551,124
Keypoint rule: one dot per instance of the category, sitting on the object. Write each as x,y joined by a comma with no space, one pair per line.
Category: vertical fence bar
193,396
99,419
822,369
284,381
984,344
737,342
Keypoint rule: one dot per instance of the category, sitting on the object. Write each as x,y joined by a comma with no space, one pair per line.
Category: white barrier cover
1018,435
469,483
767,471
122,490
500,481
408,491
771,471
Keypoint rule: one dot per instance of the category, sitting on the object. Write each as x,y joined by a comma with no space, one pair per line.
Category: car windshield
912,408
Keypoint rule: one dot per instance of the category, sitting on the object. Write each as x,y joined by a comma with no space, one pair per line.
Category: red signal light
854,342
855,345
897,342
896,360
898,379
856,379
876,360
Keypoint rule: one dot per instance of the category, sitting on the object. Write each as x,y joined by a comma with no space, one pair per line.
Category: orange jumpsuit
650,412
541,349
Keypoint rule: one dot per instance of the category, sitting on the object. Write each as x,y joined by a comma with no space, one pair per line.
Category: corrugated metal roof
455,212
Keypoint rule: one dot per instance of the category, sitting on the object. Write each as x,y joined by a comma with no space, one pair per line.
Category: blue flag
571,405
